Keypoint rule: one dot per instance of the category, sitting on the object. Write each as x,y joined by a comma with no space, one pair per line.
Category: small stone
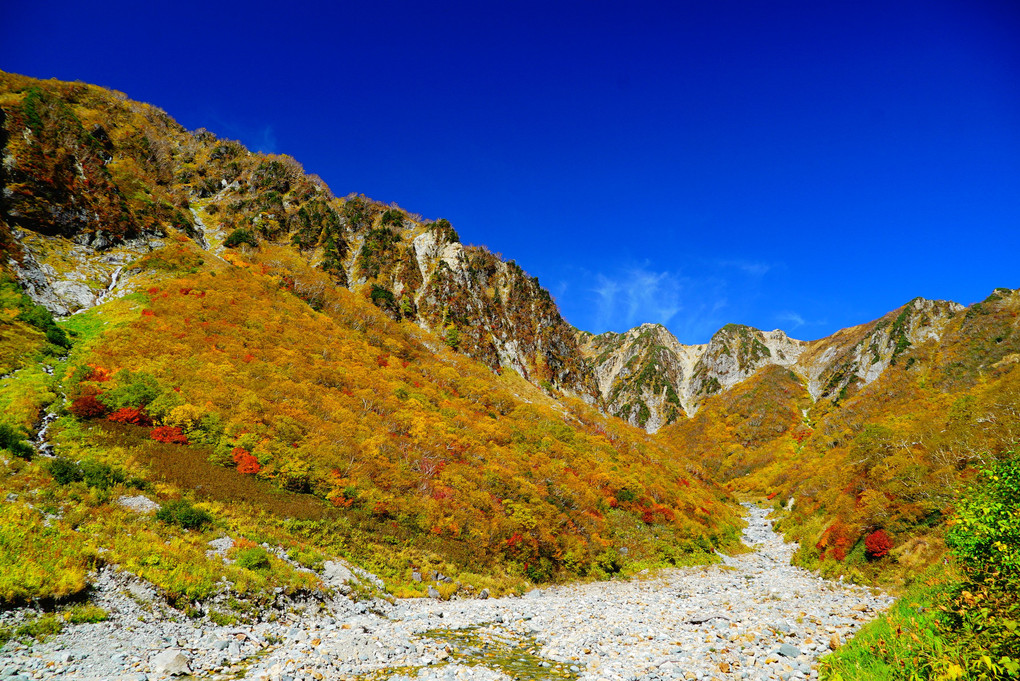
484,594
787,650
834,642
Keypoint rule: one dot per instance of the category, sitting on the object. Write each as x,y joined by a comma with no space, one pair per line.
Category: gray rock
433,593
787,650
416,576
172,662
139,504
484,594
220,546
336,574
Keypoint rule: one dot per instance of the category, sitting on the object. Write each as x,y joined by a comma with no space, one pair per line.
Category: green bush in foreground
954,626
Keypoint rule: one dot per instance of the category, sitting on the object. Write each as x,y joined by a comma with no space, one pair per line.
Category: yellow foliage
187,417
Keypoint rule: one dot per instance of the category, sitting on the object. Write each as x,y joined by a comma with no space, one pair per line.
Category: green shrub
240,236
101,475
132,390
625,495
983,612
65,471
253,558
392,217
13,441
986,538
86,614
223,619
309,558
183,514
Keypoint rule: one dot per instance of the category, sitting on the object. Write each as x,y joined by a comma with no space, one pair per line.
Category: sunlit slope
420,445
893,457
744,429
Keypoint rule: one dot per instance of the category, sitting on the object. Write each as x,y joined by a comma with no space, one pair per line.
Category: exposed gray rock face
649,378
851,358
67,276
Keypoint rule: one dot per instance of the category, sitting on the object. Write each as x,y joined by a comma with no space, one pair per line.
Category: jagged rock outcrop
646,373
638,373
93,182
851,358
735,353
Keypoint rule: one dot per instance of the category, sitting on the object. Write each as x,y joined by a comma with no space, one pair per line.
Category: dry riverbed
754,617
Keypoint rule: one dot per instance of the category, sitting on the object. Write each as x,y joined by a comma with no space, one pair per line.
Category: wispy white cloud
637,295
693,302
266,140
790,320
692,307
751,268
794,320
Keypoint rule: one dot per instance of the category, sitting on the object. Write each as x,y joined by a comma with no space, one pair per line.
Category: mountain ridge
830,366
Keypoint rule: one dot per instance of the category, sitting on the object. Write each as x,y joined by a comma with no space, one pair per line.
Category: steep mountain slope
111,177
286,360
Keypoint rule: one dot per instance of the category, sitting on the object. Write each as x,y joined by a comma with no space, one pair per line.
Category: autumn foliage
88,407
877,544
170,435
432,452
836,541
246,463
134,416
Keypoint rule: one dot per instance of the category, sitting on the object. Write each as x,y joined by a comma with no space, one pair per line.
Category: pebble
753,617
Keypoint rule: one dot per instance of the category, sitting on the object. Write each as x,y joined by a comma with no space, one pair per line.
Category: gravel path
754,617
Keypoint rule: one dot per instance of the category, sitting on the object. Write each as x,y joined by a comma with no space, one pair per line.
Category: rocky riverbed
753,617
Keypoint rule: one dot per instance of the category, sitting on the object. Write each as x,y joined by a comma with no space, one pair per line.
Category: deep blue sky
802,165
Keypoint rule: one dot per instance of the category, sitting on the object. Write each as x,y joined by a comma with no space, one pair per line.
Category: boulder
172,662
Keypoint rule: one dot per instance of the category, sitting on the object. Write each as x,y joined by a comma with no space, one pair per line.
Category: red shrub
135,417
837,539
169,434
148,313
246,463
773,496
87,407
877,544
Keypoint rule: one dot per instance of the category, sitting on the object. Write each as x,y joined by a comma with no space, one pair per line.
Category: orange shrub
246,463
836,539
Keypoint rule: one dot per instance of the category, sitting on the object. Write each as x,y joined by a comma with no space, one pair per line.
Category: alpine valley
232,399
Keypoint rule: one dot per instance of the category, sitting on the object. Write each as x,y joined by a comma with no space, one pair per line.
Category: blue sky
801,165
